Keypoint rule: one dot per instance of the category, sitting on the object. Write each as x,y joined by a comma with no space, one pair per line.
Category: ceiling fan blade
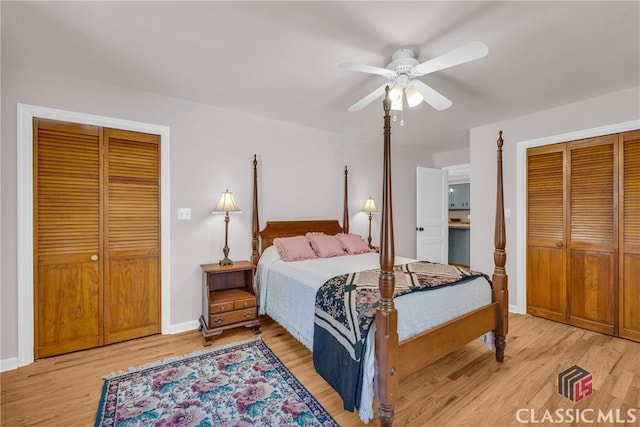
368,99
432,96
466,53
364,68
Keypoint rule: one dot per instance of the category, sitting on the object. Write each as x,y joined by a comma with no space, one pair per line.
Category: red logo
575,383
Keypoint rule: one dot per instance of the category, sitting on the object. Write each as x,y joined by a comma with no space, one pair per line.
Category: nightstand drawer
230,317
220,307
244,303
230,299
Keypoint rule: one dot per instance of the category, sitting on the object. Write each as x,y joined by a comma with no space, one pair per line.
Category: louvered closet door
96,236
67,242
546,241
132,294
630,237
592,234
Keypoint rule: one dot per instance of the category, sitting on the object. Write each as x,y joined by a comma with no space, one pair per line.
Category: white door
432,228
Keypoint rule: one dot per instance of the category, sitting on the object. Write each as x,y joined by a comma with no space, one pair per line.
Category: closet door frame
521,195
25,278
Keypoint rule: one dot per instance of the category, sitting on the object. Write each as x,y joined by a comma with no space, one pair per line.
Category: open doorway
459,213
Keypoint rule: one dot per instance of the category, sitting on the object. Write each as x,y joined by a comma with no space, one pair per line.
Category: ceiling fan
403,70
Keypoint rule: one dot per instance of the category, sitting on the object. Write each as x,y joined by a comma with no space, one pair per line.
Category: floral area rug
242,384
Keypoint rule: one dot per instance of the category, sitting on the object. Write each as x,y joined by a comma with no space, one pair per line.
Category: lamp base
226,261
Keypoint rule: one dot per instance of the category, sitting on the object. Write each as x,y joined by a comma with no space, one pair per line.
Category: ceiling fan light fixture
413,96
396,103
395,93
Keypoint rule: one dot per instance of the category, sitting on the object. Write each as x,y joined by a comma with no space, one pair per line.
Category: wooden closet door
67,242
592,289
546,240
132,235
96,236
630,236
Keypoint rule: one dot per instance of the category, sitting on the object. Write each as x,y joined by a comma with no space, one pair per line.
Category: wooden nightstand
228,299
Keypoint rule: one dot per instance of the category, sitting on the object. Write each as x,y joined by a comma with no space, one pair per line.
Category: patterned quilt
345,309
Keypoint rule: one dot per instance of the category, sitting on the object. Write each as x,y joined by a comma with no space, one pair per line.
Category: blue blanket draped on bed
345,310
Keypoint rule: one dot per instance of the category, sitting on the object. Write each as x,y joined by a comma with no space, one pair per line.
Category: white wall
617,107
451,158
300,173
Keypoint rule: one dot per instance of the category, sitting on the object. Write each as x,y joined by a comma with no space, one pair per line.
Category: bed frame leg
501,344
501,295
385,415
387,346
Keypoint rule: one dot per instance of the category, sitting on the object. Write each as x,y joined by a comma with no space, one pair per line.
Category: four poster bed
434,320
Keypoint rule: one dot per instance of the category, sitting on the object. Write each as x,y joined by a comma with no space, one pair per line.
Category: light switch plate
184,214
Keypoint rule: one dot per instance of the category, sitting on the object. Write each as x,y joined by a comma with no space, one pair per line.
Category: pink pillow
353,244
294,248
325,246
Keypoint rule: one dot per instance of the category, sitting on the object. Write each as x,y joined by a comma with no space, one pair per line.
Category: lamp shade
370,205
226,203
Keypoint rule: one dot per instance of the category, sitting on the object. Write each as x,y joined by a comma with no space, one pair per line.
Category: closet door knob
94,257
559,244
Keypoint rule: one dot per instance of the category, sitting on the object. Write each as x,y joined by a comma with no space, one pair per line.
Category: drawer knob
248,314
219,320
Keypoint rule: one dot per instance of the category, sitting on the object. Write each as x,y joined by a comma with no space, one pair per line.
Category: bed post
345,209
255,227
500,279
387,343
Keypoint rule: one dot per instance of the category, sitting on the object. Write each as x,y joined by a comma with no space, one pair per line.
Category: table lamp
226,204
369,207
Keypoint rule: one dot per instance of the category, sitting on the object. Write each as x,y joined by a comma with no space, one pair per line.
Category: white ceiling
279,59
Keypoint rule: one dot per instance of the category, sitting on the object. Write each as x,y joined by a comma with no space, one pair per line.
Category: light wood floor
466,388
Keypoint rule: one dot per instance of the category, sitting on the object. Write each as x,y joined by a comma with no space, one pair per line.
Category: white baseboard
8,364
184,327
514,308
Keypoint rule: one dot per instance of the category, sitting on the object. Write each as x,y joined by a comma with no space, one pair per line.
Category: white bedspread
287,290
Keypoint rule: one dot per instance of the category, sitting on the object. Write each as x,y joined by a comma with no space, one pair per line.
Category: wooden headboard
275,229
